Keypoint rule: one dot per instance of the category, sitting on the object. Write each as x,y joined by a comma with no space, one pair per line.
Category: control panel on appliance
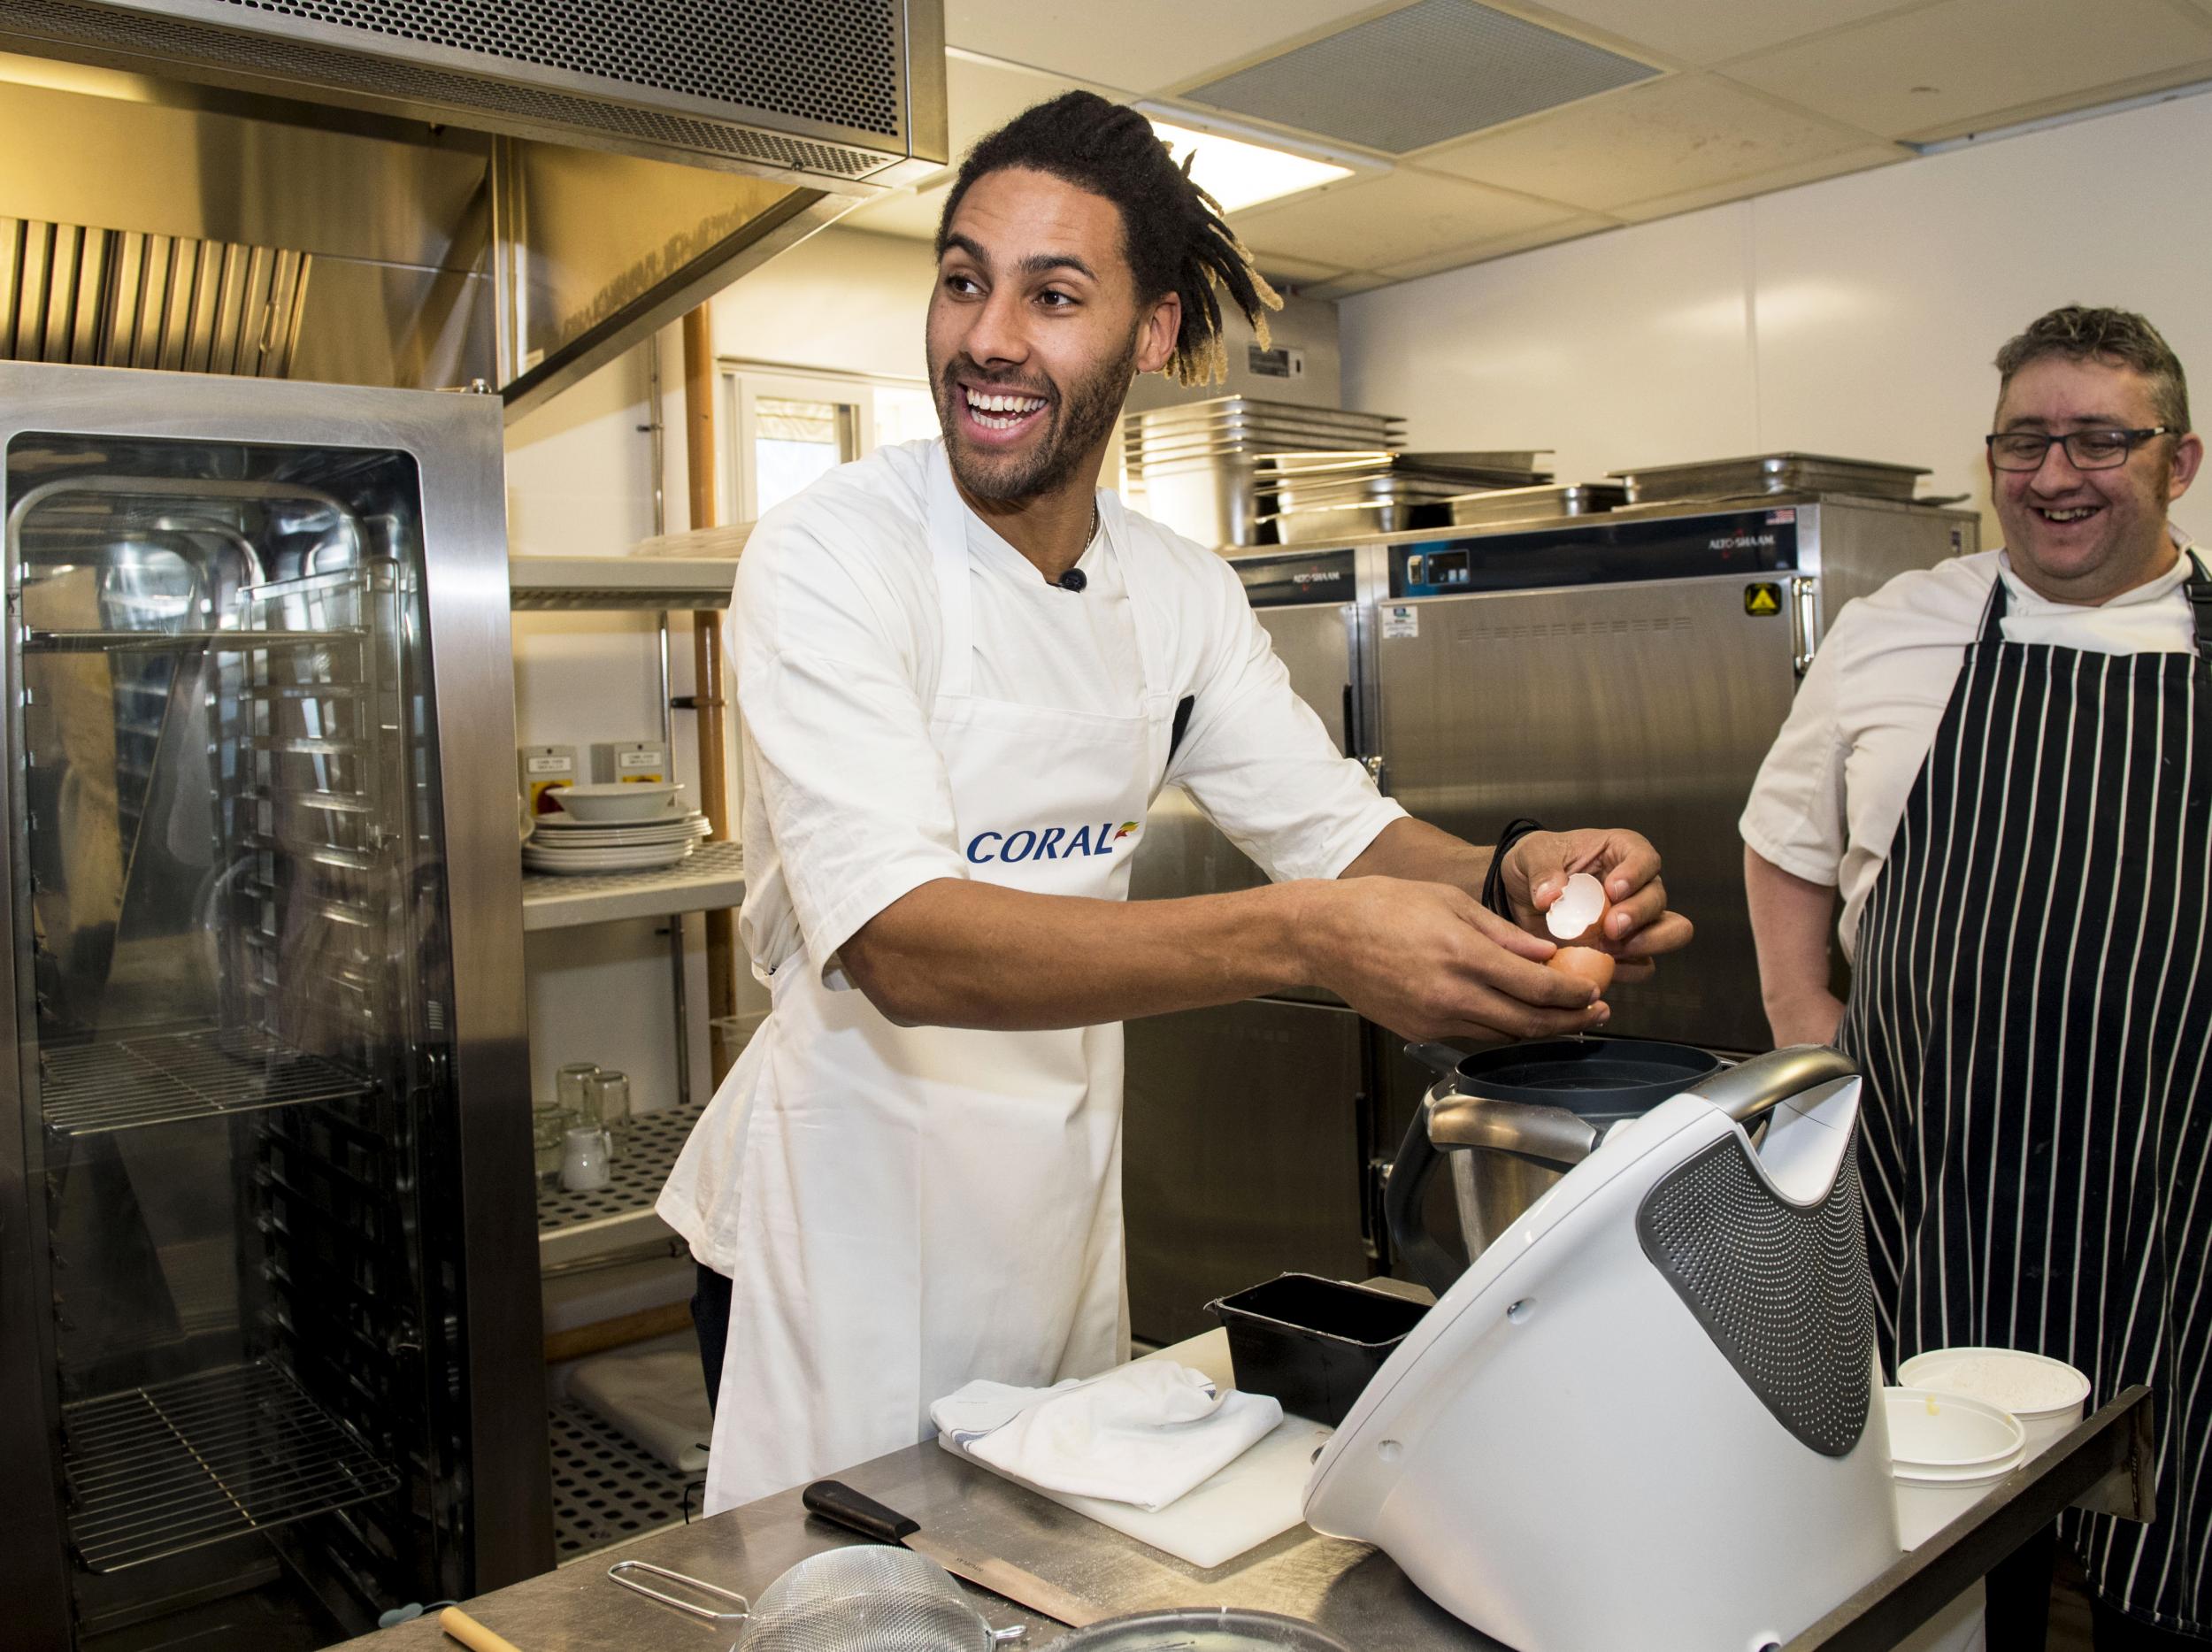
1599,552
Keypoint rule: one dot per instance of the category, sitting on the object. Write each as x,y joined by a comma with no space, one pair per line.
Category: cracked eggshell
1584,964
1579,911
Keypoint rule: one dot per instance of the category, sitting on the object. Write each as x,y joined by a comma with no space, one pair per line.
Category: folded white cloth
1143,1433
658,1399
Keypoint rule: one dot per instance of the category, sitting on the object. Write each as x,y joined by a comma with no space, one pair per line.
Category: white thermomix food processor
1648,1416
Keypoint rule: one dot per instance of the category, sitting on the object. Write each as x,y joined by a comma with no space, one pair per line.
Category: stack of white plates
560,842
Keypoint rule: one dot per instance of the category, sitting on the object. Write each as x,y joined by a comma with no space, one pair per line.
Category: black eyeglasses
2085,449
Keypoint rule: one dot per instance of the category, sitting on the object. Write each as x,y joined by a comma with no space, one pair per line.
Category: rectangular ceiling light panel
1432,72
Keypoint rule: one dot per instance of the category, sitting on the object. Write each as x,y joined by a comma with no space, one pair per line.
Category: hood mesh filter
834,61
1432,72
1784,1292
306,61
117,299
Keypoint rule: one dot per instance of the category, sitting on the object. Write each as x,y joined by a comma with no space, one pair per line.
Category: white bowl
620,802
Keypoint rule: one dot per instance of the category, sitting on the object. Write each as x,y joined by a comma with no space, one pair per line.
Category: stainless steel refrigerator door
1241,1157
1182,853
443,867
1648,706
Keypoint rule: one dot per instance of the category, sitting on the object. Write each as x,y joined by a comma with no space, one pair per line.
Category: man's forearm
1790,918
967,953
1417,850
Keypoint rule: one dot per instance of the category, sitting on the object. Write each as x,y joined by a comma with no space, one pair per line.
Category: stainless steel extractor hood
407,192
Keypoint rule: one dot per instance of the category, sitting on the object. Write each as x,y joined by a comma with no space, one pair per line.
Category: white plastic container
1945,1451
2047,1396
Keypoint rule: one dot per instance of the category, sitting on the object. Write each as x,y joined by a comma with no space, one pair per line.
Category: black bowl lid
1596,1078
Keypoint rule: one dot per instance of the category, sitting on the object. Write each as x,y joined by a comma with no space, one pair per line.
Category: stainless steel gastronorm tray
1770,473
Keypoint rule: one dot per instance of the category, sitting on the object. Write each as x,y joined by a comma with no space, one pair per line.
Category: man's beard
1076,423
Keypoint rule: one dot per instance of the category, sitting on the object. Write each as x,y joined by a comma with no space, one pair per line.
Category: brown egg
1584,964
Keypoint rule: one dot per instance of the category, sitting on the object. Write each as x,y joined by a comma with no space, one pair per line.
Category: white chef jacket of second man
1834,785
834,644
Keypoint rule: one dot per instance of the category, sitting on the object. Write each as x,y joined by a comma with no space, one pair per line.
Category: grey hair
2079,333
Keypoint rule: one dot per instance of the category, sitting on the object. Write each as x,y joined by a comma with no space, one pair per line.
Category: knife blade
840,1505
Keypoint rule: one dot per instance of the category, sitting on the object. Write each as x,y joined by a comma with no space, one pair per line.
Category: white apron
920,1206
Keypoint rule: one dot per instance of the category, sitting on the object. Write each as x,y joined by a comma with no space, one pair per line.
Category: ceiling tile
1681,133
1707,31
1458,257
1400,215
1929,70
1344,286
1862,157
1141,46
1299,273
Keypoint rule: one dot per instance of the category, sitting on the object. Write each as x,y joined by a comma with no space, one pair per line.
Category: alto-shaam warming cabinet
269,1321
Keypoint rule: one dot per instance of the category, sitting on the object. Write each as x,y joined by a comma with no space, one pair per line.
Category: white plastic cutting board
1258,1496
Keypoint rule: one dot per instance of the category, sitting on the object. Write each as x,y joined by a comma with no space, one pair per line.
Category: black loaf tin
1311,1342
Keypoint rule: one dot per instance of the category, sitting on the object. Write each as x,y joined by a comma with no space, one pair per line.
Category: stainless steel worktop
1348,1588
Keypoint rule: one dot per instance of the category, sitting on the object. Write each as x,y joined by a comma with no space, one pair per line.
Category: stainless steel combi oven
265,1167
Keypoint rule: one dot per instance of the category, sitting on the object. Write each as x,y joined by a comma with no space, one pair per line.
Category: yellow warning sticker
1763,599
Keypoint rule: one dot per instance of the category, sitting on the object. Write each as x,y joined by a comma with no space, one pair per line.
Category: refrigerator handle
1371,761
1804,621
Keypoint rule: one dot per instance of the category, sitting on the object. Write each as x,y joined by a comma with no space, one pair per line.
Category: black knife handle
840,1504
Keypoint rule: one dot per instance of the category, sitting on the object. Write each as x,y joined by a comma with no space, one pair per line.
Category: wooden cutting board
1256,1497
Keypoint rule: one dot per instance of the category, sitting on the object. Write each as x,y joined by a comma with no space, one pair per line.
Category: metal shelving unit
605,1489
712,877
539,583
175,1465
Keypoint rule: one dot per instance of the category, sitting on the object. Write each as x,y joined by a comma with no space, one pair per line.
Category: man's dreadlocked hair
1172,231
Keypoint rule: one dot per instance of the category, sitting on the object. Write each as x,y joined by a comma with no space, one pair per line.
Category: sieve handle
840,1505
626,1572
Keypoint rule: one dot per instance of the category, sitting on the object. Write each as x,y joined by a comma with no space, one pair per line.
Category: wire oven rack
91,1089
176,1465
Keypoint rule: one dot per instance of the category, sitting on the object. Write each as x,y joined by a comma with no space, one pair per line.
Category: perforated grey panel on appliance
391,76
1410,79
1783,1292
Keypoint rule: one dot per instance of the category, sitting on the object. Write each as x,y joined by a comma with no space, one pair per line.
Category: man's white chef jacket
1834,787
835,641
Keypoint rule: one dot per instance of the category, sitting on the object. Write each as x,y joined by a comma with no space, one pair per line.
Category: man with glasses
2004,764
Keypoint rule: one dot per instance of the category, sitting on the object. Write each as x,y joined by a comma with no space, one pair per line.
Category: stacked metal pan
1769,473
1198,467
1330,496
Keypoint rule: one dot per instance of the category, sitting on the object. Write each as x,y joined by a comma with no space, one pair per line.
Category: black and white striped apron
2031,1006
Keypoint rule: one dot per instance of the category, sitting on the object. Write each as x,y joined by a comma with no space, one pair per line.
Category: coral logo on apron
1048,843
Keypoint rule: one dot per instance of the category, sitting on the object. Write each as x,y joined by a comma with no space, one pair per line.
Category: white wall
579,483
1856,317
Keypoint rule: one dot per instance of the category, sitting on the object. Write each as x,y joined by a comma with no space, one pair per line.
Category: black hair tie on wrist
1493,881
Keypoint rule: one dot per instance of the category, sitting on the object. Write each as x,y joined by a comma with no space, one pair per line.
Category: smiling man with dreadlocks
964,672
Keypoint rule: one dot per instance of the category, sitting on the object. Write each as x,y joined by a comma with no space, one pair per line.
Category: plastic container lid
2032,1387
1936,1437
